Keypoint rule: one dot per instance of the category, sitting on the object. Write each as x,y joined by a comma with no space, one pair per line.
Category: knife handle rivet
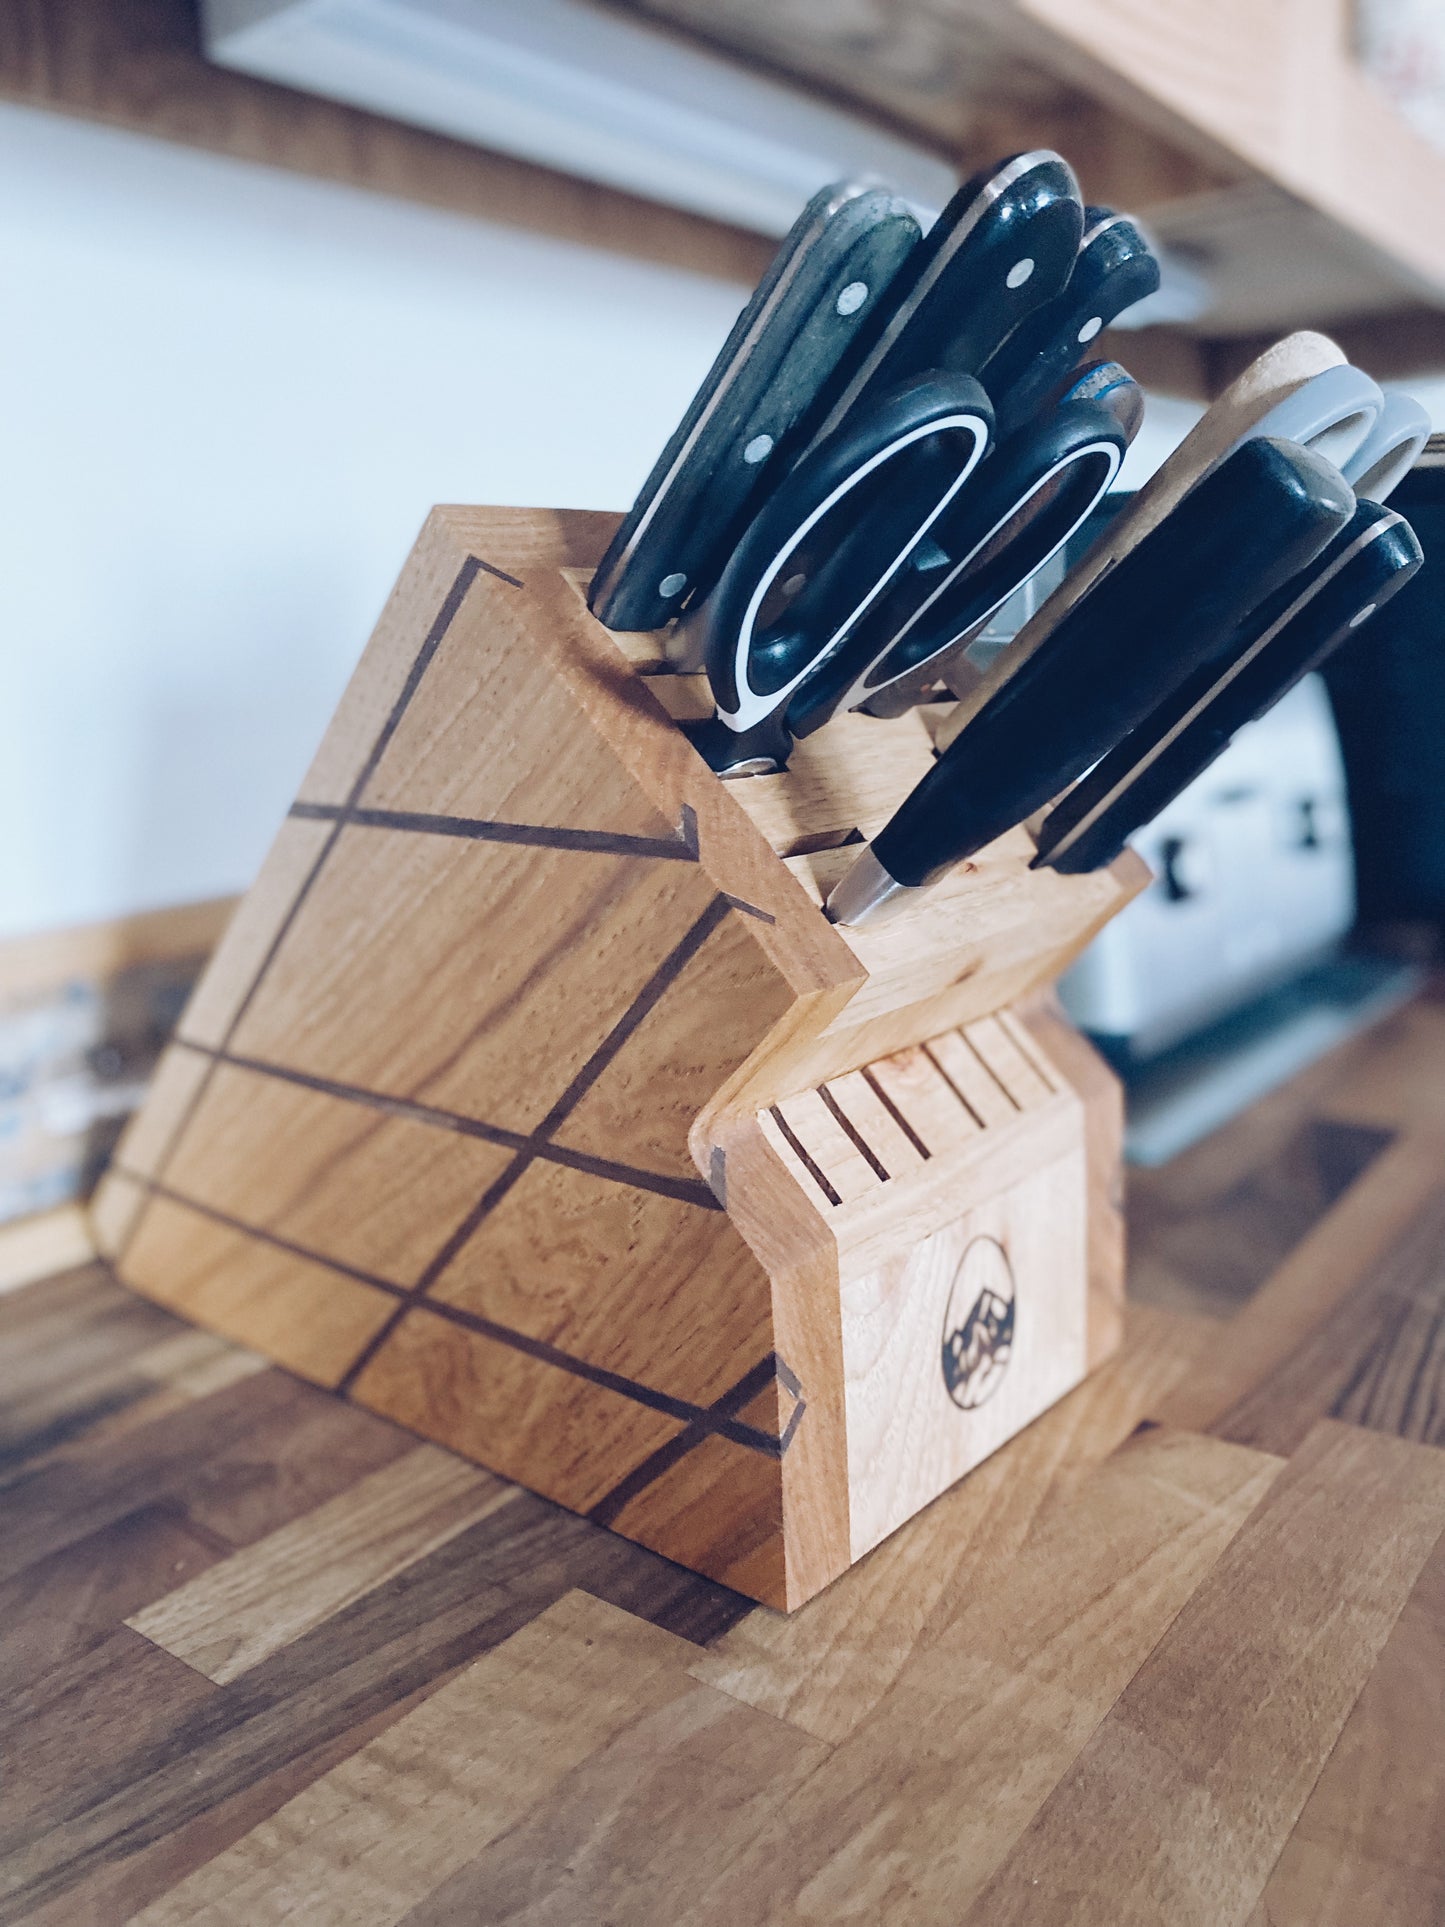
852,297
672,585
1090,328
758,449
1363,616
1020,272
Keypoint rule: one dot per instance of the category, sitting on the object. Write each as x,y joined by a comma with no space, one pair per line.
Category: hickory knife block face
531,1101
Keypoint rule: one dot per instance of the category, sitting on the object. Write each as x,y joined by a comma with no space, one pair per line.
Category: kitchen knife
822,547
1272,376
1029,496
1004,244
1293,632
1390,450
1164,610
822,300
1114,268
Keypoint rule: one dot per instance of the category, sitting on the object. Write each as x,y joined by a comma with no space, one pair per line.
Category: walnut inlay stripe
680,1408
714,1419
685,1190
451,604
679,848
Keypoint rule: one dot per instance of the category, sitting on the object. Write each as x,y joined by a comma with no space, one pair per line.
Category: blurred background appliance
1388,690
1299,882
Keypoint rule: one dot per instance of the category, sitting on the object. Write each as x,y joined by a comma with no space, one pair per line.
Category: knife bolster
532,1101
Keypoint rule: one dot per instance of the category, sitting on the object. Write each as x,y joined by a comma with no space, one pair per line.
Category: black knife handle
1290,634
1166,607
1115,268
1027,499
812,318
829,538
1005,243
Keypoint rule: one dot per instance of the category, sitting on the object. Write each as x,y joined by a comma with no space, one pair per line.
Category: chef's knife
1390,450
821,302
1293,632
1166,608
1004,244
1114,268
822,547
1028,498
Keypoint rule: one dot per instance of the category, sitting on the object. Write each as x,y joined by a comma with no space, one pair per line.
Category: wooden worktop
1176,1654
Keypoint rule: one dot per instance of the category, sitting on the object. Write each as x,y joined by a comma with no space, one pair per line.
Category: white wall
228,396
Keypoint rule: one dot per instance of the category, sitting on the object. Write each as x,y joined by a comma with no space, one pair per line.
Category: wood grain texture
319,1563
1342,1251
1369,1848
911,1431
1274,87
885,1752
468,1764
1376,1360
826,1666
979,1725
39,1246
1262,1665
457,1122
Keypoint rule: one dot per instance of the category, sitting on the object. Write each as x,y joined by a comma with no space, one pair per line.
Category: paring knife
1004,245
823,299
1027,499
1275,374
821,548
1114,268
1164,610
1293,632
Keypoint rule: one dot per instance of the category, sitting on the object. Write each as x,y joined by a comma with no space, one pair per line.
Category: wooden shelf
1243,130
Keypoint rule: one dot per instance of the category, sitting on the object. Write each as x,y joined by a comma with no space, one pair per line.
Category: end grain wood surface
1175,1654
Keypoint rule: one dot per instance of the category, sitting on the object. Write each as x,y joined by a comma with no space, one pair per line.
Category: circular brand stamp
978,1326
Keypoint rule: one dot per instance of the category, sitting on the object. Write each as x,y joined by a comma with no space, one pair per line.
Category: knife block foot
531,1100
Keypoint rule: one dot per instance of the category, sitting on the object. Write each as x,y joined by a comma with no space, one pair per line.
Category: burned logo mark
978,1326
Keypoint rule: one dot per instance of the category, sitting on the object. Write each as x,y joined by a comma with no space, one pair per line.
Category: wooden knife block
532,1101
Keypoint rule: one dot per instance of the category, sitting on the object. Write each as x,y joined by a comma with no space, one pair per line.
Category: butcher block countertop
1175,1655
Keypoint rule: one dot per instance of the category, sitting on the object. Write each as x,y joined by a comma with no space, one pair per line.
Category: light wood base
531,1100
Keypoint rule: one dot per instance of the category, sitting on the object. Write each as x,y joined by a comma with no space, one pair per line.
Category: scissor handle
1030,496
1390,450
832,536
1333,413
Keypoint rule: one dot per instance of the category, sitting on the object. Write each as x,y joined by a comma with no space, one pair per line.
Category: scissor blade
827,543
1026,501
